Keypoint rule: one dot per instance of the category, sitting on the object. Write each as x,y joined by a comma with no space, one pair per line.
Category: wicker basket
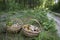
31,33
15,27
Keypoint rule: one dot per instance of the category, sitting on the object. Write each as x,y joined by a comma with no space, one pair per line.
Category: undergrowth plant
48,26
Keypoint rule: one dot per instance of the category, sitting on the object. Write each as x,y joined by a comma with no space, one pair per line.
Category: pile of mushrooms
14,25
30,30
13,28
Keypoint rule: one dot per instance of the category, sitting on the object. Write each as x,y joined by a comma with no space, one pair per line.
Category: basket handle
37,22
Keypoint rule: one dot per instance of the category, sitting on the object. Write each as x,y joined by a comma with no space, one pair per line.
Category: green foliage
49,3
9,23
25,4
56,7
47,36
48,32
2,5
39,14
19,4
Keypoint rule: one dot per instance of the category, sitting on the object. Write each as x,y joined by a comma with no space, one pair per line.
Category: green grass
48,32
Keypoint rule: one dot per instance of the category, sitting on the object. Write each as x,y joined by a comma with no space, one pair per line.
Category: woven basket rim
30,31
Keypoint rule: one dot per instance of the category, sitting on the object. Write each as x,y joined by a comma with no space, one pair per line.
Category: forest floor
6,36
